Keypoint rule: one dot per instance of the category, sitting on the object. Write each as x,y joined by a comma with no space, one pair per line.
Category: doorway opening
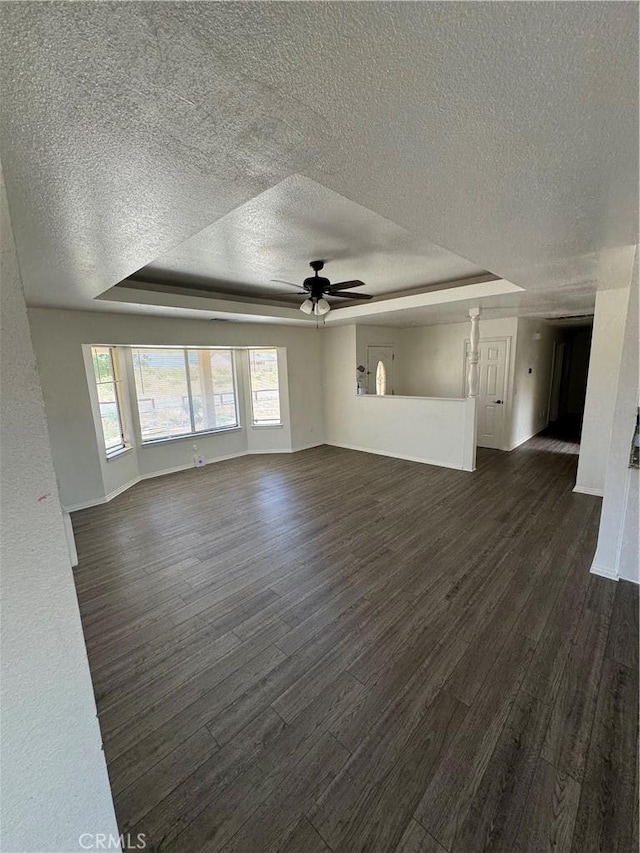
569,382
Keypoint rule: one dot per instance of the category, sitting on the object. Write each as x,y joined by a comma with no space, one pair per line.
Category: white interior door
492,406
380,370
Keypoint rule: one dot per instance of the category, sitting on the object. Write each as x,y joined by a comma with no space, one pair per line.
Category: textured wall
438,432
433,356
602,386
430,363
54,776
617,552
367,336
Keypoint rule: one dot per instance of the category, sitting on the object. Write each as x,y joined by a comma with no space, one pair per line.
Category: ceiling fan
316,288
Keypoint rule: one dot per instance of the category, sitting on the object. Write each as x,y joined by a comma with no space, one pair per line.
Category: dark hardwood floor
335,651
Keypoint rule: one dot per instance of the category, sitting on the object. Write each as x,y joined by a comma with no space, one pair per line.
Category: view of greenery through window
107,387
265,390
184,391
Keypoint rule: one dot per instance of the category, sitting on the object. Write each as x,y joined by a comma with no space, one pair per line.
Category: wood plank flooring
335,651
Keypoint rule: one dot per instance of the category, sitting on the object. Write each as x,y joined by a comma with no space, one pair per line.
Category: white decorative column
473,376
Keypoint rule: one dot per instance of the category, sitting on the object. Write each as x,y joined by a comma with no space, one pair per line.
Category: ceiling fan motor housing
317,288
316,285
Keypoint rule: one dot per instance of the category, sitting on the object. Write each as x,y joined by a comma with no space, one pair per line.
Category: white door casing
375,355
492,403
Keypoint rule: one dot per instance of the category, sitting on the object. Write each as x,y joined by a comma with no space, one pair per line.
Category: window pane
106,386
162,392
102,364
212,389
111,426
265,389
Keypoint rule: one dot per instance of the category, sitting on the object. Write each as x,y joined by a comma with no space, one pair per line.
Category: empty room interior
320,439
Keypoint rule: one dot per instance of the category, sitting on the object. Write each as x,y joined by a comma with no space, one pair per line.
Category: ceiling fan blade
290,283
345,285
350,295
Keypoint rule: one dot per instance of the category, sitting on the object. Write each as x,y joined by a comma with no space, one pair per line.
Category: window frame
146,442
264,424
117,390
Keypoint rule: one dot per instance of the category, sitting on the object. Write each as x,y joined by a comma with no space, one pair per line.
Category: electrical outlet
198,460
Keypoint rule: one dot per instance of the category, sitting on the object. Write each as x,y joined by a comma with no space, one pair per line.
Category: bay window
105,369
184,391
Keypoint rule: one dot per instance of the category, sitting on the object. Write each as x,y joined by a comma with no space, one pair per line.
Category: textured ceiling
276,234
505,133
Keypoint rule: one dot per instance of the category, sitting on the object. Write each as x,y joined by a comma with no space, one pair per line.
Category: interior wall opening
569,381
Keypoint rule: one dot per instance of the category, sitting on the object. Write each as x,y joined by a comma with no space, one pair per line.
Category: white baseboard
525,439
153,474
121,489
586,490
285,450
604,572
104,500
407,458
85,504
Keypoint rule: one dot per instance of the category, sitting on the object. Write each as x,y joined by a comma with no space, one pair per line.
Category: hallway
336,651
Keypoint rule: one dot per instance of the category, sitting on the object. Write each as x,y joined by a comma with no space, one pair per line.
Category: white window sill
118,453
193,436
267,426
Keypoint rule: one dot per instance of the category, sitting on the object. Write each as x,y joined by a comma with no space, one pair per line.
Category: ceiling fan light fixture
322,307
316,287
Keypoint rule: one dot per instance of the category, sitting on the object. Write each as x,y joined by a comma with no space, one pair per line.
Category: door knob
498,402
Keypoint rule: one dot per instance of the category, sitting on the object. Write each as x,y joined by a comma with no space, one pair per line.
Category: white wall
367,336
84,475
432,364
530,390
54,777
617,552
627,568
602,385
435,431
433,356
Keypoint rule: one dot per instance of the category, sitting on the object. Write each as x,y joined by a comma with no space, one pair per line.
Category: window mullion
192,416
115,368
116,394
